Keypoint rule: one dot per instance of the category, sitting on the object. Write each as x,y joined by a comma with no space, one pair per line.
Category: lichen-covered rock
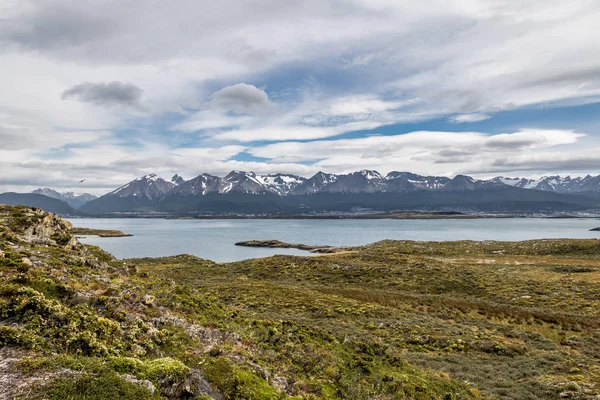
47,227
148,300
191,386
144,383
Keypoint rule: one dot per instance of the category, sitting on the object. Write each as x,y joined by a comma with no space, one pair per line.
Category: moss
108,386
60,238
153,370
238,383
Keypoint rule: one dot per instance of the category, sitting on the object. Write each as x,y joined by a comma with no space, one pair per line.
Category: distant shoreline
103,233
394,215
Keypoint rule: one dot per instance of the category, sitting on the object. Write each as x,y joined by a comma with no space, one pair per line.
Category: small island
595,229
277,244
98,232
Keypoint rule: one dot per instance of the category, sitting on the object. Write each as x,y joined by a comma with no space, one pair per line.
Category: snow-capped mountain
151,187
463,182
281,184
406,181
242,191
554,183
316,183
200,185
364,181
75,200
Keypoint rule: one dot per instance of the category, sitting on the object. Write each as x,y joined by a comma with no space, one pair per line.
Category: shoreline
393,215
92,232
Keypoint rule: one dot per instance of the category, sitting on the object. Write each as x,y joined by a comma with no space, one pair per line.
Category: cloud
242,99
465,118
105,94
331,68
293,132
422,151
15,137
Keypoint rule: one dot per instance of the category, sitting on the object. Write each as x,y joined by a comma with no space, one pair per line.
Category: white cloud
440,153
242,98
465,118
327,68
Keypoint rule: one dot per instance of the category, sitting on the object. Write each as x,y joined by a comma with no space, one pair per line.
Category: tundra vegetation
392,320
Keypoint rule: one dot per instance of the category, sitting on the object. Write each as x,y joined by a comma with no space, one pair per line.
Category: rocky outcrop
40,227
192,385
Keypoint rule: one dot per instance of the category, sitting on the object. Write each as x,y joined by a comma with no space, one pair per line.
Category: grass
515,320
393,320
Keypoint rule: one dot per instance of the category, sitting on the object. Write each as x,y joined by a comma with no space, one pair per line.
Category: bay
215,239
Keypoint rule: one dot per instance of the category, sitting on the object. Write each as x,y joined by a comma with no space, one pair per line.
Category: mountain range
75,200
241,192
248,192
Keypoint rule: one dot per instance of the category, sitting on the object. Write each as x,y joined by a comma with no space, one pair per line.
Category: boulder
191,386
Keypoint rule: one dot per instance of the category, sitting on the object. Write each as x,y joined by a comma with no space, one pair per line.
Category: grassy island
392,320
98,232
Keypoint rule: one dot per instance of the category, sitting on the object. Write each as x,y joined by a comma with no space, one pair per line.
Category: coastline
408,215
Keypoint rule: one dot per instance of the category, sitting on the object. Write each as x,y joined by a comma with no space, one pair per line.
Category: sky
109,90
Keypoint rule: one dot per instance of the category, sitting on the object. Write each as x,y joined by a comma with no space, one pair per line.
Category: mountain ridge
248,192
75,200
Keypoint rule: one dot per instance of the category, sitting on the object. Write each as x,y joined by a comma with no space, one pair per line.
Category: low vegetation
98,232
393,320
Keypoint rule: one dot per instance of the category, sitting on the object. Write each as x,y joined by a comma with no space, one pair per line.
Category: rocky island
276,244
391,320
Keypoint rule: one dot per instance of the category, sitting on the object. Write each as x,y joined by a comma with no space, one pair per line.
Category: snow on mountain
281,184
243,182
555,183
406,181
200,185
464,182
317,183
371,175
149,186
521,183
75,200
365,181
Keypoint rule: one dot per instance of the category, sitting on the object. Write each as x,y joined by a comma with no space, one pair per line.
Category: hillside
75,200
393,320
39,201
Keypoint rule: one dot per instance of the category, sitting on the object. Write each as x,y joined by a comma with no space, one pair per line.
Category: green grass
393,320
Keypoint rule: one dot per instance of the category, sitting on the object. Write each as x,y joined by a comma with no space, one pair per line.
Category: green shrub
238,383
108,386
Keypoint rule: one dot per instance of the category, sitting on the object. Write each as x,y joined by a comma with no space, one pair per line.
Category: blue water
214,239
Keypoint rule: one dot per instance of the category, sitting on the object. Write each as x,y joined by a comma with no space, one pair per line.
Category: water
214,239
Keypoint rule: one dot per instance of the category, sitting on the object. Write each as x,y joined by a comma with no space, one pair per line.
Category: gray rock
193,385
140,382
148,300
